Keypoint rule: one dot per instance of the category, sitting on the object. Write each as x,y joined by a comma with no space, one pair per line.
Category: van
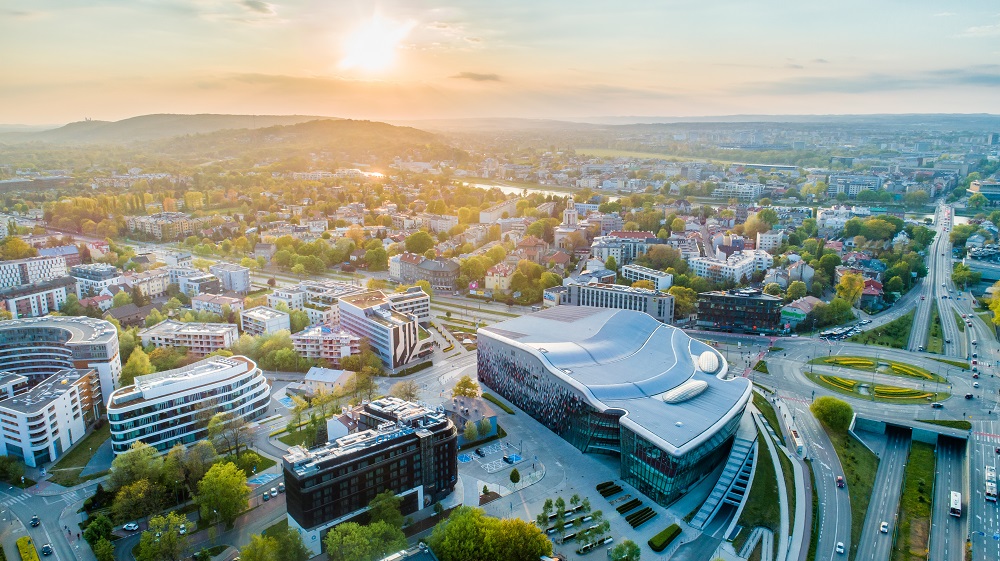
536,308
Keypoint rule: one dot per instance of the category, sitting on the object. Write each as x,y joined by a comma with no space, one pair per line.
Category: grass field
889,367
789,474
935,337
895,334
959,363
915,505
963,425
906,396
959,321
66,471
761,403
612,153
761,507
860,466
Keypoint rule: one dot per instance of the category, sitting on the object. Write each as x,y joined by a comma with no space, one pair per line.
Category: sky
67,60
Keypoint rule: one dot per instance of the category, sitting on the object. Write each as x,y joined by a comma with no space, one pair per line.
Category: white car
130,527
884,528
274,491
840,547
182,529
975,384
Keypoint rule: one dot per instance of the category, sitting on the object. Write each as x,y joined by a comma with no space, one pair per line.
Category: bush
832,412
498,403
660,541
27,549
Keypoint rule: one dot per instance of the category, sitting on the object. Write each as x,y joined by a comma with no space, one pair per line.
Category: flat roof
263,313
81,329
623,359
169,326
45,392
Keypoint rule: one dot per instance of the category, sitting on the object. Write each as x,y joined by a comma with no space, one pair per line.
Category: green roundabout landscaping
882,393
890,367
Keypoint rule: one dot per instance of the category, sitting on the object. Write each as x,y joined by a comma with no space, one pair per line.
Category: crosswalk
68,498
9,501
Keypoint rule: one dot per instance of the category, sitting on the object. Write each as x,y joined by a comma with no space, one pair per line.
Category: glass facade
522,379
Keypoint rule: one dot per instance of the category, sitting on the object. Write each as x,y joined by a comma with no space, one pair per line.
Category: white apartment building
318,298
739,266
623,246
36,299
152,283
742,191
200,339
263,321
413,301
660,279
162,409
94,278
177,258
294,298
20,272
321,341
213,303
3,227
770,241
832,218
38,426
496,212
232,277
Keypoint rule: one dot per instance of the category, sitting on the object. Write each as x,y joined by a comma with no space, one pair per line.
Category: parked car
508,460
267,497
183,529
274,491
281,487
130,527
480,453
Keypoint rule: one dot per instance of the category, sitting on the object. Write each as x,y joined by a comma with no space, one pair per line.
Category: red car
840,481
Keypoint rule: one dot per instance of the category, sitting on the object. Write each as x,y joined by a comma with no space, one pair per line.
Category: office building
200,339
235,278
36,348
636,273
216,304
70,253
618,382
328,343
851,184
393,336
19,272
987,188
413,301
400,446
193,282
93,278
318,298
658,304
36,299
264,321
39,425
162,409
740,311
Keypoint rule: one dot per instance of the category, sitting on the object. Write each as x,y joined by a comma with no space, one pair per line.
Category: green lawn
935,337
761,366
273,530
961,364
80,455
787,471
859,466
761,507
895,334
963,425
895,368
915,505
293,439
959,321
814,534
761,403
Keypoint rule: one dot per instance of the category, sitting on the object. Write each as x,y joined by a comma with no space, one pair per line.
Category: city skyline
398,60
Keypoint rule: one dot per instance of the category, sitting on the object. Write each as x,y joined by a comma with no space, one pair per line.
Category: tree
138,364
137,500
223,492
419,242
203,555
833,412
385,507
895,284
685,300
796,290
260,548
291,546
611,264
465,387
625,551
470,432
678,225
13,247
198,459
469,534
229,431
103,550
353,542
829,263
407,390
141,461
768,216
773,289
120,299
484,427
99,529
977,201
850,287
163,540
647,284
515,476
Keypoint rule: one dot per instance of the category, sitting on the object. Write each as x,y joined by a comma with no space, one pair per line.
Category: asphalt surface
884,505
947,538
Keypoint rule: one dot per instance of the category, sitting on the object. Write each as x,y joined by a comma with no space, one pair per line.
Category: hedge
27,549
660,541
498,403
413,369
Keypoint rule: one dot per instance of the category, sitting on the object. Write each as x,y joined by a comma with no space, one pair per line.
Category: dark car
968,396
47,549
840,481
35,521
480,453
508,459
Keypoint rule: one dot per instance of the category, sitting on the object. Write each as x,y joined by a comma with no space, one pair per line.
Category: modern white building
413,301
318,298
94,278
392,335
177,258
737,267
658,304
200,339
623,246
742,191
635,273
39,425
232,277
39,347
20,272
324,342
497,211
770,241
163,409
264,321
214,303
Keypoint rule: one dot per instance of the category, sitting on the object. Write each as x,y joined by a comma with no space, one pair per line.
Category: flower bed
842,383
27,549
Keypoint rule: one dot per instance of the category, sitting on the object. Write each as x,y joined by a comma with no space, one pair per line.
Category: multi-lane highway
875,545
947,538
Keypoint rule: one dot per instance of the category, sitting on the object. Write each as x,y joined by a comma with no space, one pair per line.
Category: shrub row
608,491
842,383
605,485
640,517
889,391
905,370
498,403
622,509
660,541
27,549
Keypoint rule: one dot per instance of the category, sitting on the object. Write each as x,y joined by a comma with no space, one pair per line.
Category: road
884,505
947,538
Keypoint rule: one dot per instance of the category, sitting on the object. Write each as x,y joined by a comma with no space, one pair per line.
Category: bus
991,474
991,491
956,504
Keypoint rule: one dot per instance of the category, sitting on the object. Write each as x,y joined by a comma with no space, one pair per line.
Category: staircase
733,482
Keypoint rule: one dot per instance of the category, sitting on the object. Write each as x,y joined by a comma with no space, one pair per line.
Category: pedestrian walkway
766,538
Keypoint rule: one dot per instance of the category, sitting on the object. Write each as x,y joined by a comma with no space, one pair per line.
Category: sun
372,46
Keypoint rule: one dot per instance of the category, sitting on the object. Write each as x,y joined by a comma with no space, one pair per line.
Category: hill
149,127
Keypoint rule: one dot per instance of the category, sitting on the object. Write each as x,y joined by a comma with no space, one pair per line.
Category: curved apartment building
162,409
620,382
39,347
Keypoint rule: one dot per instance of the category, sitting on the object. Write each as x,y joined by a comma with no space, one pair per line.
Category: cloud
477,77
794,66
991,30
987,75
821,61
259,6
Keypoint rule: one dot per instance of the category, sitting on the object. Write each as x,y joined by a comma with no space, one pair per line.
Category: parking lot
509,458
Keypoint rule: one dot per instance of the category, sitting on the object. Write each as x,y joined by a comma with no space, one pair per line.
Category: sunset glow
372,46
